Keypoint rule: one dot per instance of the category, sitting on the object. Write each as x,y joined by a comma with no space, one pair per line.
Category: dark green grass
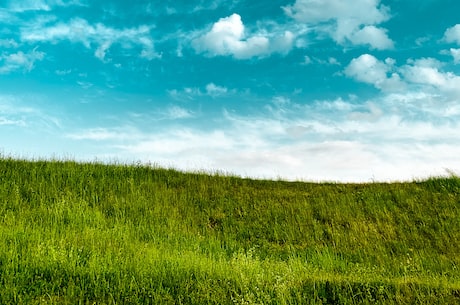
73,233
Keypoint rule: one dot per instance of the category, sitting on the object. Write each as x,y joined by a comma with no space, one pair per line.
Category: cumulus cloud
20,61
359,11
368,69
375,37
452,35
282,43
228,37
102,37
427,72
351,21
423,73
456,55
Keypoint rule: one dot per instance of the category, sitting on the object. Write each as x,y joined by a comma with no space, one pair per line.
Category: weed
118,234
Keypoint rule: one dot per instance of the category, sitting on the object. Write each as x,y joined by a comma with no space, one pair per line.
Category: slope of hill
115,234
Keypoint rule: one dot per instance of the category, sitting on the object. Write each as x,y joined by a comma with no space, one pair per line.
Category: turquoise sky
342,90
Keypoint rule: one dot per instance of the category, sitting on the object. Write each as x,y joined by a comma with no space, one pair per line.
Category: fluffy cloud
375,37
453,34
20,61
368,69
356,11
346,20
80,31
456,55
227,37
425,73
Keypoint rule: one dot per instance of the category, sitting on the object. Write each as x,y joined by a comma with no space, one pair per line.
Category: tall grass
85,233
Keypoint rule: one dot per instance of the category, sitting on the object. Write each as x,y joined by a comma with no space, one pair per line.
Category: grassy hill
74,233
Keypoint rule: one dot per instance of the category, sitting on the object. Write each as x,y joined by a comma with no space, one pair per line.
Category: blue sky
342,90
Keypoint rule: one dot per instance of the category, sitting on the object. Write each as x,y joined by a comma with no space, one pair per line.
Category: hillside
116,234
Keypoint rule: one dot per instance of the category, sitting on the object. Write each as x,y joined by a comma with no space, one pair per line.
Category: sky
313,90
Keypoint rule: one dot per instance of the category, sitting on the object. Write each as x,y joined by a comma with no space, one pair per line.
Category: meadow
89,233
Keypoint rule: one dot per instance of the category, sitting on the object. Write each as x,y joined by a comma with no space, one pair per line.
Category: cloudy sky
341,90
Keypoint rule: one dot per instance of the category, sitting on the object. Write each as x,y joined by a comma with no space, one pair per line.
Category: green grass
73,233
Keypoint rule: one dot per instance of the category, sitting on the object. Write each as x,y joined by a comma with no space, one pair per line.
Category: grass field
73,233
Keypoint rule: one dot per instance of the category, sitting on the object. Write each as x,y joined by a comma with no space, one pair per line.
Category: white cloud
213,4
99,134
331,61
368,69
372,113
8,43
456,55
148,51
63,72
377,38
422,40
176,112
39,5
15,111
180,142
359,11
85,85
214,90
307,60
29,5
453,34
185,93
8,122
345,20
102,37
330,140
20,61
283,43
228,37
210,89
102,50
7,17
395,136
427,72
422,74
